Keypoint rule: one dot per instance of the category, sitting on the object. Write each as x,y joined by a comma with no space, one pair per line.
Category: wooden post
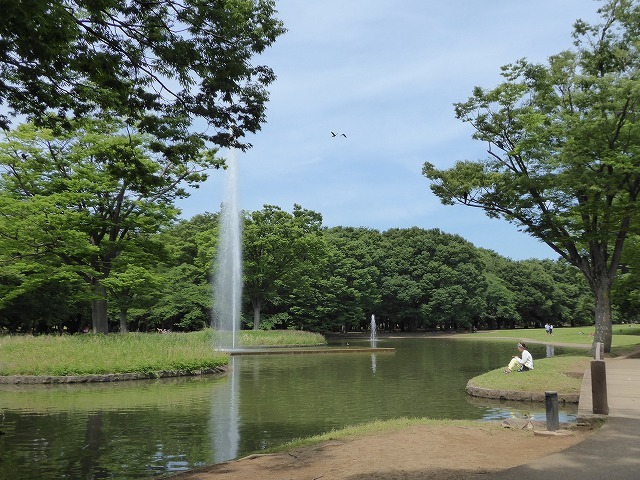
599,387
551,402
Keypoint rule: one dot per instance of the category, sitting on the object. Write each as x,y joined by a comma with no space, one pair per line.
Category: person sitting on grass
522,363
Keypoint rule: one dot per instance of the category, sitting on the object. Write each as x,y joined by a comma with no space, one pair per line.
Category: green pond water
144,429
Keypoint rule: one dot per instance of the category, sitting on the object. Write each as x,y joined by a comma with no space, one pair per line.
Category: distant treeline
301,275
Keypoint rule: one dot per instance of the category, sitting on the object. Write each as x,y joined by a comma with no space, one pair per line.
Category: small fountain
373,336
227,294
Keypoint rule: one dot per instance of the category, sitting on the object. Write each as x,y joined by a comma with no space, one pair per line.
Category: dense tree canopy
74,200
563,150
161,66
430,279
346,288
334,280
277,248
626,294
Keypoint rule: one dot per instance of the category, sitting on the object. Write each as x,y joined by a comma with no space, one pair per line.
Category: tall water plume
373,336
227,293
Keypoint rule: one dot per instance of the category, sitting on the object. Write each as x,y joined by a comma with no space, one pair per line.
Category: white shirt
526,360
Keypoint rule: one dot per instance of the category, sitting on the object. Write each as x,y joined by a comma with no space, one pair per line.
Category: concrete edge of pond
297,351
518,395
110,377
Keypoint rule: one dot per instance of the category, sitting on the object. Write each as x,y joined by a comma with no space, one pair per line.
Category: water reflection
495,409
146,428
225,418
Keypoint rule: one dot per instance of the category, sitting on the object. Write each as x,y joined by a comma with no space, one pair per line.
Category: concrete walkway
613,452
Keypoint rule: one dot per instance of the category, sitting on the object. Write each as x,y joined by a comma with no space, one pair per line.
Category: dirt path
418,452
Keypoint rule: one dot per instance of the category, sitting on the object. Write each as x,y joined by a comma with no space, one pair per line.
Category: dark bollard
599,387
551,402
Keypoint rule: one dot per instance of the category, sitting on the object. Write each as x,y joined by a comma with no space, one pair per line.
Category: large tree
185,301
340,288
180,70
352,276
626,294
430,279
563,150
277,246
75,200
501,299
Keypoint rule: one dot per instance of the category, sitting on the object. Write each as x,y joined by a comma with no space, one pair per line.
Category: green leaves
278,247
430,278
563,142
160,65
80,198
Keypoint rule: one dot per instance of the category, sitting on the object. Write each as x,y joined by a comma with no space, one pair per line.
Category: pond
143,429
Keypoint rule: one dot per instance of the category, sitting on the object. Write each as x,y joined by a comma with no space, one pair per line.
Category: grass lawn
280,338
128,353
561,374
623,335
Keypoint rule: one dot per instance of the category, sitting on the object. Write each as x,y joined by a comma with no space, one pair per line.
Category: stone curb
518,395
554,433
111,377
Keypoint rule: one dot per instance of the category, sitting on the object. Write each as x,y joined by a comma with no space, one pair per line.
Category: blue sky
387,74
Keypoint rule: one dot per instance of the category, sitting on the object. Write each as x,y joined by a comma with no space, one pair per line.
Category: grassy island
90,354
561,374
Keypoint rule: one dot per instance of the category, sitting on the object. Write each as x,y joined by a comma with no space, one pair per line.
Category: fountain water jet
227,293
373,336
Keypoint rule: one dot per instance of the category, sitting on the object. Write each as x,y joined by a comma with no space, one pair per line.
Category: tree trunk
124,325
99,309
604,329
256,314
94,441
412,324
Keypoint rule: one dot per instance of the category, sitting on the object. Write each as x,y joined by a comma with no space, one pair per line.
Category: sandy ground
418,452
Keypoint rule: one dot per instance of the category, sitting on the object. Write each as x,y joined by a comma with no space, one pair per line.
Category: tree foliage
429,279
335,280
76,200
277,247
346,288
563,142
159,65
626,294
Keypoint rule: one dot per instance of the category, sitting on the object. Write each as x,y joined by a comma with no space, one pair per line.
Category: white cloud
387,74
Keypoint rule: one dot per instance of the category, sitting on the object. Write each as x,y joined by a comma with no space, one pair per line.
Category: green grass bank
563,373
626,337
131,352
377,427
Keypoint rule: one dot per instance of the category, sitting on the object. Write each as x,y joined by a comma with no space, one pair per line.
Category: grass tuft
128,353
378,427
280,338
